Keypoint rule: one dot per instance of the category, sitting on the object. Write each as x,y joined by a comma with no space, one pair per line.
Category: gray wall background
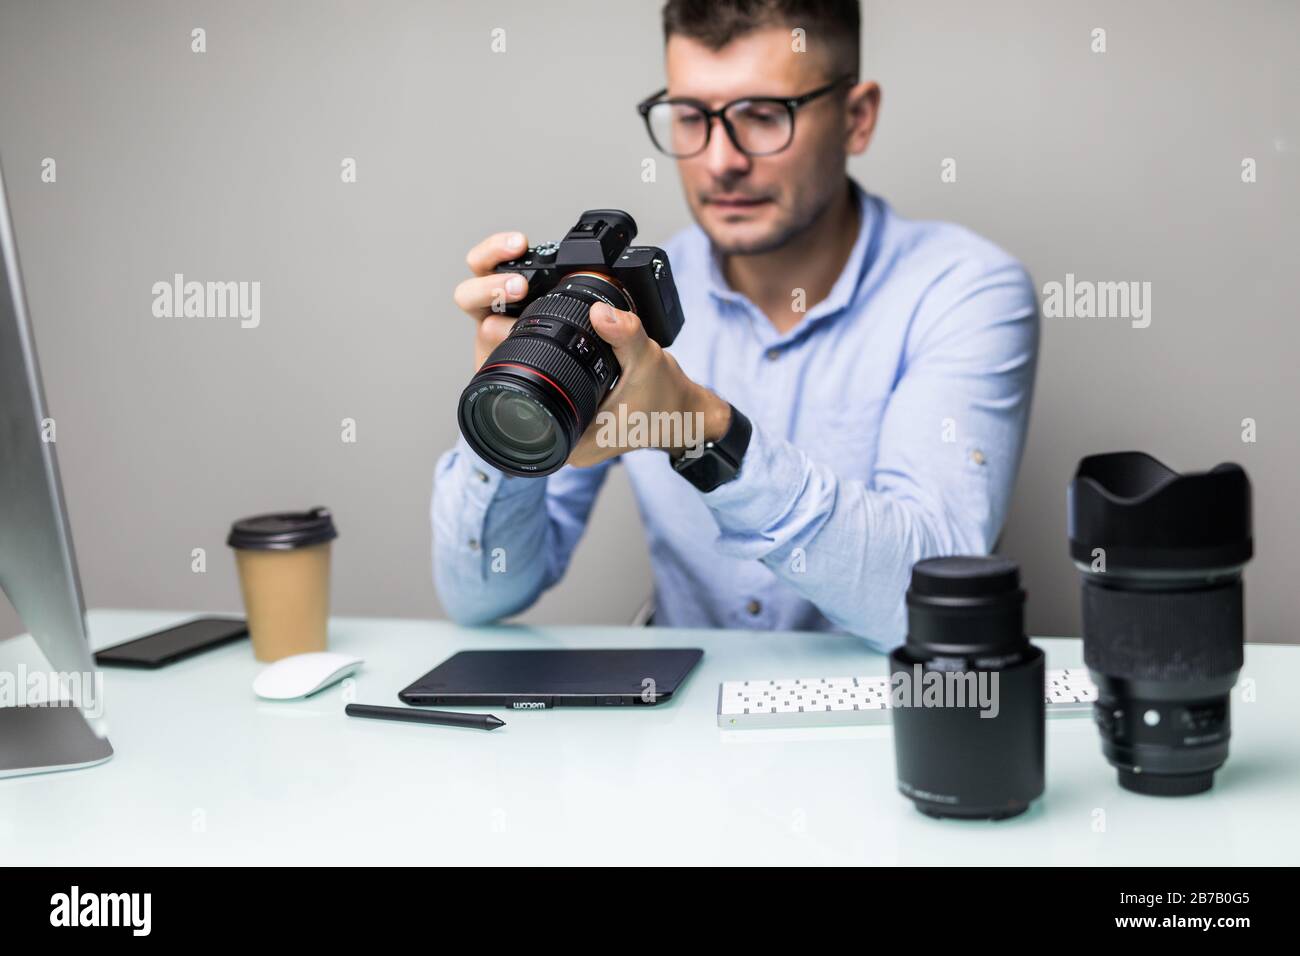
1124,165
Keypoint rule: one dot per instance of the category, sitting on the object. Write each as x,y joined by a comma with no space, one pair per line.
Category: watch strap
718,462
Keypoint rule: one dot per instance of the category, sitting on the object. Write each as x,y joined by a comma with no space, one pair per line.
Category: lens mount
1164,738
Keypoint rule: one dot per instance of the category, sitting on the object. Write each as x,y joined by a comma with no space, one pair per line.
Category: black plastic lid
964,577
966,606
283,530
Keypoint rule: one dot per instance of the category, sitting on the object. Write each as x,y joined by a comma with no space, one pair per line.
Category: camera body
534,396
600,242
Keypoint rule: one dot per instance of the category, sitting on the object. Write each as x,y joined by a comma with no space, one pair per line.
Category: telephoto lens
1163,621
967,692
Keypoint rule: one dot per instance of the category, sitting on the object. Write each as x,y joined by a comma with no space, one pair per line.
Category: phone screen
174,643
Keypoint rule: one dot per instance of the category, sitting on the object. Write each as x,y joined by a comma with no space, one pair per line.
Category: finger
494,250
494,330
483,295
622,330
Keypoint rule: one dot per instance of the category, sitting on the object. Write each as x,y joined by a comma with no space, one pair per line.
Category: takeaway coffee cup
284,574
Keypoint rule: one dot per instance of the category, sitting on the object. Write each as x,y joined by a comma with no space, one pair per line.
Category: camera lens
1161,556
967,692
538,391
516,422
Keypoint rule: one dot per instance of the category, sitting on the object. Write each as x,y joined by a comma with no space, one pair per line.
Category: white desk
207,774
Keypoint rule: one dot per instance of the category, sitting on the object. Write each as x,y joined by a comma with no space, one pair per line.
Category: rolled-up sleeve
499,541
949,448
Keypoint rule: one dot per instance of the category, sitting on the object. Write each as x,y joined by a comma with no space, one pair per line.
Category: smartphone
173,644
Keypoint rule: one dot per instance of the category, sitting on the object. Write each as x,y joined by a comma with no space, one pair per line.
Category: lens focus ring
1164,636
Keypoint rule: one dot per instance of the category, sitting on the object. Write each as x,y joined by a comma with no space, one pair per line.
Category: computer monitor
38,569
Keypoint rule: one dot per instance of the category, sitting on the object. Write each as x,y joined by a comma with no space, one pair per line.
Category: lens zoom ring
556,364
1166,635
560,306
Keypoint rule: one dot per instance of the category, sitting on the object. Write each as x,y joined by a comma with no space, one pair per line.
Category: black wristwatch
717,462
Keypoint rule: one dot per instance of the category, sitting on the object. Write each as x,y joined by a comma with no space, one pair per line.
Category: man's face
749,205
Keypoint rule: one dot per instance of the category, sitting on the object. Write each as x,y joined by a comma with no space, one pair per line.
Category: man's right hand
485,296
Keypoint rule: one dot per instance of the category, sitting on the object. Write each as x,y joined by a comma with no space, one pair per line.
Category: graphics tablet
533,680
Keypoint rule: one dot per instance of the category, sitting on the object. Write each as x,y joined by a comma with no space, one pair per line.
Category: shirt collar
842,292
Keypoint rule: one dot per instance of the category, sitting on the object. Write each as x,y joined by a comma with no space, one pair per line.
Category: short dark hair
715,23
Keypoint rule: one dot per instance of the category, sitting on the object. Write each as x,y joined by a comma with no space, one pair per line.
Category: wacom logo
528,705
102,909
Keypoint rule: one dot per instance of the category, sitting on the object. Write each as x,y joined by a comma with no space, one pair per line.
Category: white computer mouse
299,676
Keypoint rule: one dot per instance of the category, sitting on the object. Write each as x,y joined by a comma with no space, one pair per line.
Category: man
870,376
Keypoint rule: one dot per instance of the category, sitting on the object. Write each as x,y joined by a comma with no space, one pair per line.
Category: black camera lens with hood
1161,555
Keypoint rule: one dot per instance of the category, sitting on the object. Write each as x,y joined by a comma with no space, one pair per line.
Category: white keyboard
853,701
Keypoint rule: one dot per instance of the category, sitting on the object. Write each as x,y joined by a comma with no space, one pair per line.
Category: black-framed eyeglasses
756,125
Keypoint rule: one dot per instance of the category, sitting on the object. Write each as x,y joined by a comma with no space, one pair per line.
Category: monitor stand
42,739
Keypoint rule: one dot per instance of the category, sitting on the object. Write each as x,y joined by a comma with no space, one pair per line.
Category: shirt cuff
752,507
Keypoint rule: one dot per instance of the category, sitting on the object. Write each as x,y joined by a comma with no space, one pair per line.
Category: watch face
707,470
706,473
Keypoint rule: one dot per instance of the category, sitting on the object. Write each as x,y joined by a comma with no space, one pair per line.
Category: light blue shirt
888,427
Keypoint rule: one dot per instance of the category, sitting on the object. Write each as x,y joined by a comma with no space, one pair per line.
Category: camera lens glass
1161,556
538,391
517,423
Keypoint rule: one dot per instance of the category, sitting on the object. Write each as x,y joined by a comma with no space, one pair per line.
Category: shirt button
473,544
773,354
753,607
480,475
977,456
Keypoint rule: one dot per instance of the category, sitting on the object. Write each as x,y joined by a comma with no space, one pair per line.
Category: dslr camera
534,396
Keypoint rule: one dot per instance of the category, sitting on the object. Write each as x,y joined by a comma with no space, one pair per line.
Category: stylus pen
414,715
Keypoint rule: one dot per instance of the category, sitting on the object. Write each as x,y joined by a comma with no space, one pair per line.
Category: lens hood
1144,516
